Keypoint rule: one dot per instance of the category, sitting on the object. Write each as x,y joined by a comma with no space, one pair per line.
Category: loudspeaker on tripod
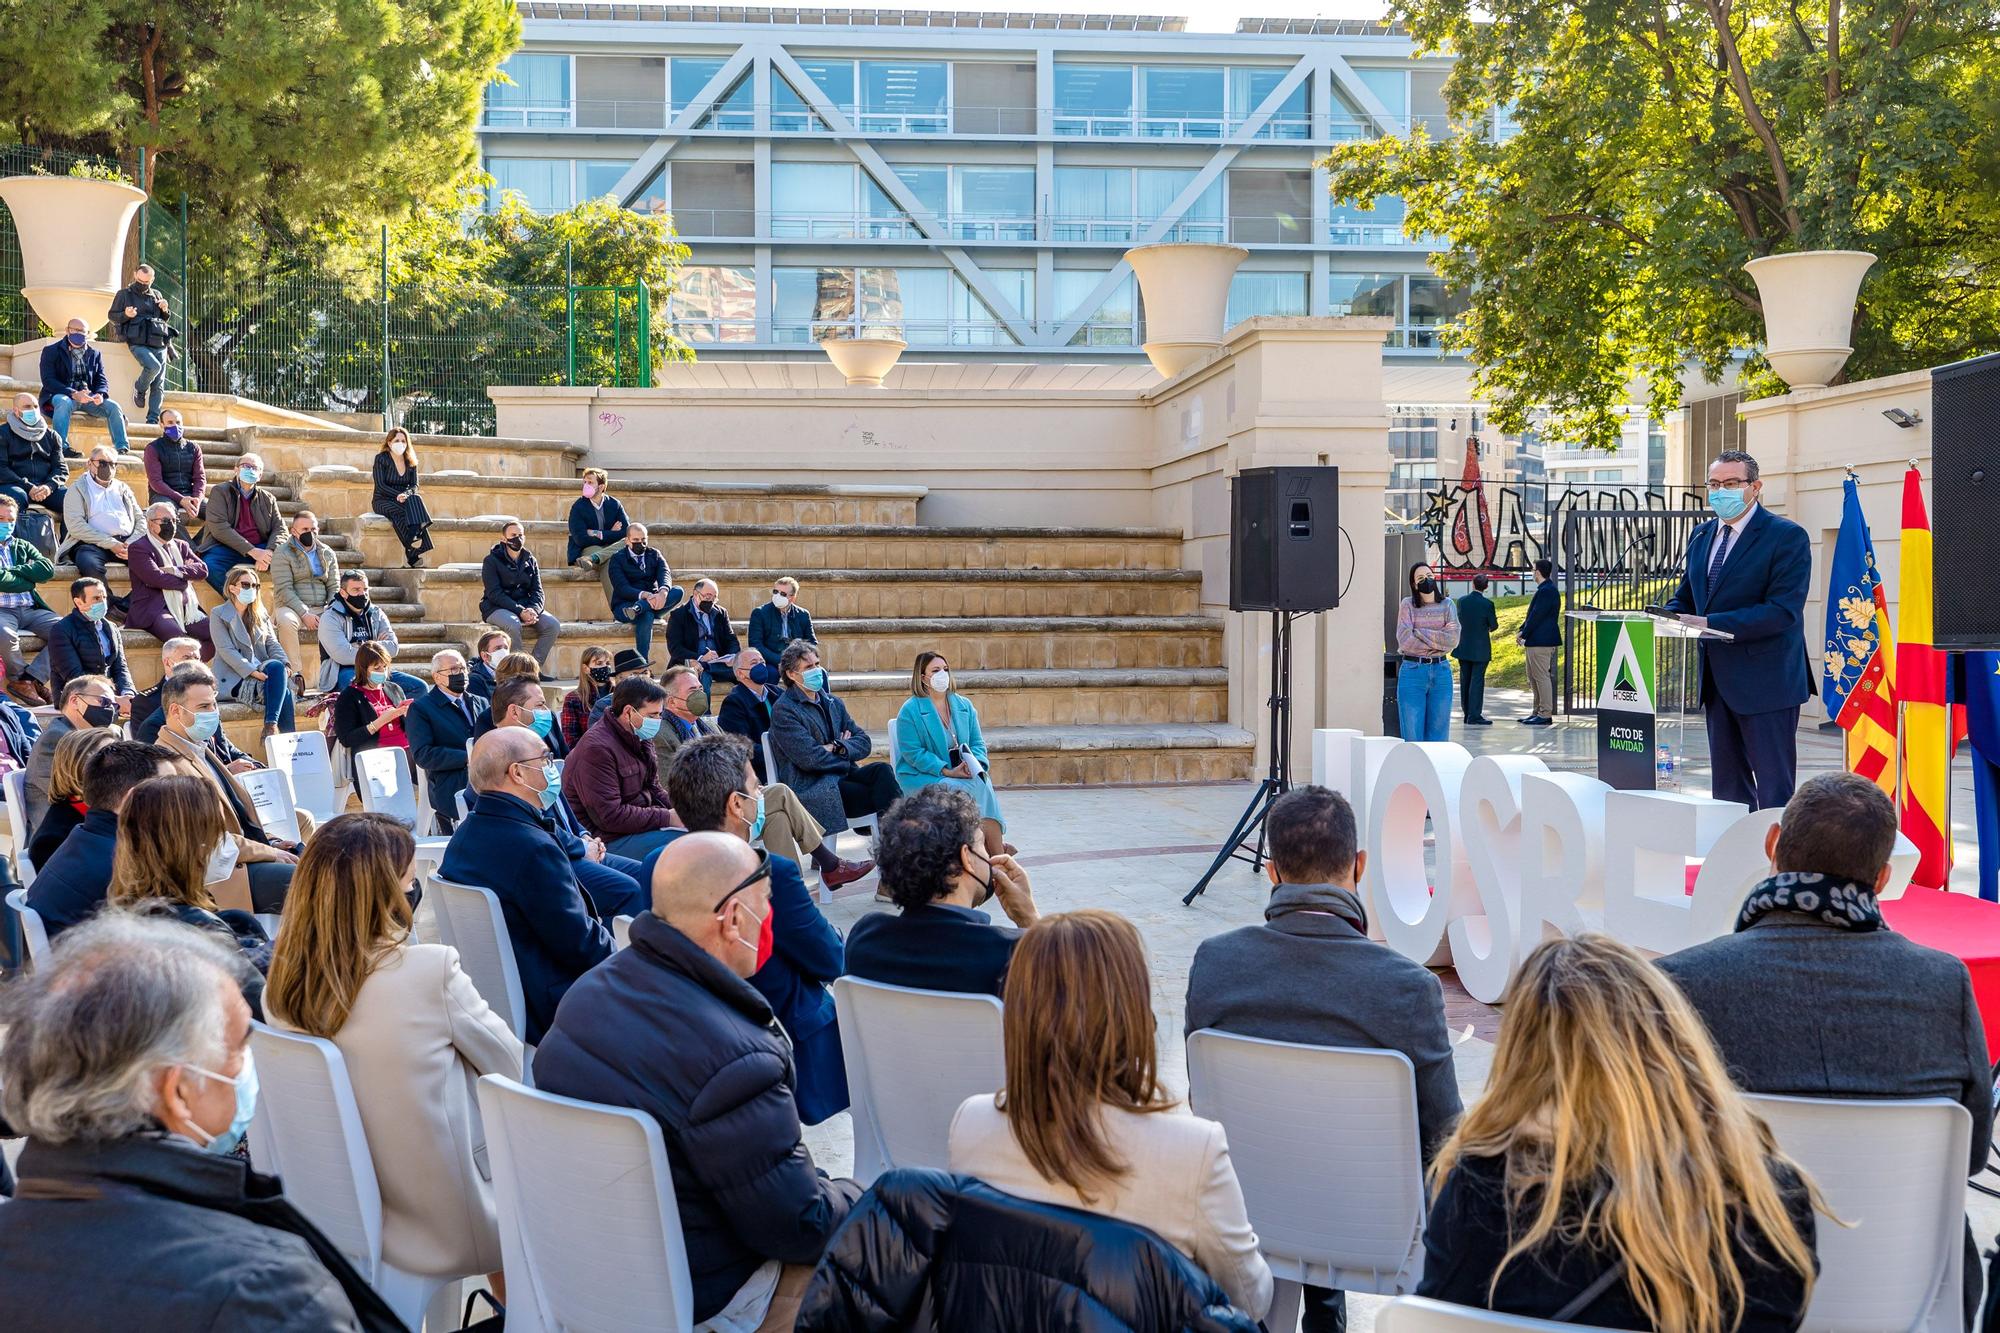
1284,539
1965,497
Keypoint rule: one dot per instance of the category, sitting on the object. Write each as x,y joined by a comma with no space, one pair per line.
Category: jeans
546,628
643,617
62,407
220,560
1423,700
413,687
92,562
16,621
151,386
278,704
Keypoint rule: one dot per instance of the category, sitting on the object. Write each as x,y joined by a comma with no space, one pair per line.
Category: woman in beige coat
413,1031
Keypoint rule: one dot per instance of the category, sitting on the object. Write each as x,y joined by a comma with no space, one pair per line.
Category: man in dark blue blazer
1748,572
439,724
1542,635
86,643
77,878
746,710
507,845
73,381
777,622
642,587
698,633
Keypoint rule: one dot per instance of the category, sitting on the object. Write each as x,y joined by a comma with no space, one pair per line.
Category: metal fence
1619,560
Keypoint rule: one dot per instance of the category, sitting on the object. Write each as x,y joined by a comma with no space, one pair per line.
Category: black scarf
1845,904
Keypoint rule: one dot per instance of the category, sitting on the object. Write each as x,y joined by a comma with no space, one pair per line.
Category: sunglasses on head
763,871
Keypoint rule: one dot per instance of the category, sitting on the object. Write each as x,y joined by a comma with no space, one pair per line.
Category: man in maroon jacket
612,778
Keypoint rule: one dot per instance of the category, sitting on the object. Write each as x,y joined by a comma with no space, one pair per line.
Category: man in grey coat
1310,974
1814,995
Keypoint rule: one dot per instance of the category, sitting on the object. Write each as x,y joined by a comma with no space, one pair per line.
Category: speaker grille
1965,502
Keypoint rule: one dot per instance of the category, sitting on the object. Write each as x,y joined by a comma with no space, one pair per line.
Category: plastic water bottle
1663,769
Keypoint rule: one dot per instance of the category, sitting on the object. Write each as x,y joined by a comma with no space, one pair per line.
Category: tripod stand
1278,778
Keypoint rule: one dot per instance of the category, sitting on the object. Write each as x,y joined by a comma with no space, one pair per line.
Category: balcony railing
915,332
1124,231
746,224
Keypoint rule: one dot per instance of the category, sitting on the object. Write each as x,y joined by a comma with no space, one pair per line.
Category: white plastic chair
426,817
269,792
895,750
1326,1144
913,1056
307,1129
33,932
621,931
307,763
1420,1314
1896,1171
589,1229
385,787
470,919
14,788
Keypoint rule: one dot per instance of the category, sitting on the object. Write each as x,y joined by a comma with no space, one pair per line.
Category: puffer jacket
927,1250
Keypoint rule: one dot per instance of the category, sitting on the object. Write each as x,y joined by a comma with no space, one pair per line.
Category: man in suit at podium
1747,575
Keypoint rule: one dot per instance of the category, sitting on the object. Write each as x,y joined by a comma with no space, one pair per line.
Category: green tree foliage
1659,145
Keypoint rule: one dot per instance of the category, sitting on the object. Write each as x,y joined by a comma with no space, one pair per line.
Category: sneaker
138,396
846,873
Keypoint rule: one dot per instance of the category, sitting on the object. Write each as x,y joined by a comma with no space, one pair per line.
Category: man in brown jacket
240,521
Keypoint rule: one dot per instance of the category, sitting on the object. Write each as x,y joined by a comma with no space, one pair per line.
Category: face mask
204,724
601,674
163,528
985,885
170,432
648,728
636,548
248,475
706,602
305,538
1426,587
221,861
455,682
757,822
1728,505
98,713
378,677
551,791
245,596
6,531
103,471
763,674
814,680
357,602
541,721
696,703
245,1084
496,657
513,543
78,339
97,610
940,682
398,448
590,490
762,948
780,601
31,416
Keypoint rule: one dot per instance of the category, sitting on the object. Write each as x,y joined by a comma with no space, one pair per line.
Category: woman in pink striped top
1426,632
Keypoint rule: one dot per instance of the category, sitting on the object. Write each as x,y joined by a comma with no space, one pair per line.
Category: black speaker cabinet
1965,501
1284,539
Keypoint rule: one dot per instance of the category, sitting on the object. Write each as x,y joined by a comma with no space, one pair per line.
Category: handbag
38,529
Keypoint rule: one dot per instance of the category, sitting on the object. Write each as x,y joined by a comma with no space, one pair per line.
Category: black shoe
138,397
1479,722
70,453
1531,720
1541,722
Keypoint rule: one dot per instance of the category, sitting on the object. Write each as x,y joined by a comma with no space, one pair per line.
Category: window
1093,204
595,179
536,96
994,204
931,186
812,303
1249,87
973,324
1182,102
1094,100
813,199
688,75
1607,474
621,92
1160,186
834,80
1427,107
1351,224
1366,294
992,98
1391,88
713,303
542,182
1252,294
1115,323
1432,304
713,199
1269,207
903,96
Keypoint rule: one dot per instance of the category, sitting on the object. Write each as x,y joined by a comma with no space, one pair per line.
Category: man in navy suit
85,643
439,724
1747,575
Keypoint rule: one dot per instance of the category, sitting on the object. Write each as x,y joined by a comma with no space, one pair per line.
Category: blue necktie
1715,561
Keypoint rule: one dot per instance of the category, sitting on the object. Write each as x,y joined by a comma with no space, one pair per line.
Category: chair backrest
471,917
895,750
464,803
306,761
32,929
621,930
426,817
1421,1314
561,1168
15,786
270,794
384,779
308,1130
1901,1263
913,1056
770,758
1326,1144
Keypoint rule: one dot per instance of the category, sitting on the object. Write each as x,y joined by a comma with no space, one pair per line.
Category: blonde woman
397,498
250,665
66,805
175,854
938,740
1612,1176
413,1031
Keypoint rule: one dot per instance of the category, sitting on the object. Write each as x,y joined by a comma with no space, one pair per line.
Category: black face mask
306,538
513,543
636,548
985,885
164,528
103,471
455,682
1427,587
357,604
97,714
601,674
706,603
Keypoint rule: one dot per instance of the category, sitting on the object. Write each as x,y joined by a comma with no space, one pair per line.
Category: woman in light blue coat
250,664
938,740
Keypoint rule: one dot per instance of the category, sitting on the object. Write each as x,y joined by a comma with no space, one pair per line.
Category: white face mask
221,861
940,682
497,656
397,447
780,601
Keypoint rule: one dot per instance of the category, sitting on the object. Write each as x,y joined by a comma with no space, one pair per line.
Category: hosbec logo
1625,691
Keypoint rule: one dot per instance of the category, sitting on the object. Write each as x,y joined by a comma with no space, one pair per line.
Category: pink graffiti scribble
613,420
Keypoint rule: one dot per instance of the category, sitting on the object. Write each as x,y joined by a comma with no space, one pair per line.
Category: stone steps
297,449
1148,755
458,500
1066,698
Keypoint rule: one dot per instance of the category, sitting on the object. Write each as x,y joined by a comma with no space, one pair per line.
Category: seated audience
23,568
516,666
1311,975
86,643
698,632
1890,1018
593,681
67,806
175,473
625,665
349,621
305,580
506,844
250,665
240,522
715,792
398,497
369,713
612,777
84,701
596,526
938,740
1082,1120
671,1027
640,588
128,1069
32,470
165,573
413,1030
822,752
1610,1141
174,853
191,729
439,726
513,599
776,624
493,648
73,381
936,870
75,879
101,518
746,709
144,723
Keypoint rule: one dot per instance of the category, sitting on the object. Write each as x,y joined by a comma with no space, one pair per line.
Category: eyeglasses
763,871
1733,484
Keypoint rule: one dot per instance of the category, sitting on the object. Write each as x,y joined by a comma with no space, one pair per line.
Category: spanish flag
1927,714
1859,667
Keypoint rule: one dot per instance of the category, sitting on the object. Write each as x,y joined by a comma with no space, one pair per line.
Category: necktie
1715,561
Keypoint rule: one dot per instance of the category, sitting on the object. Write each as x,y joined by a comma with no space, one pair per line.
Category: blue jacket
505,846
766,636
59,372
582,514
665,1029
743,714
923,748
1760,597
479,680
1544,626
438,732
938,946
75,881
18,725
76,650
630,577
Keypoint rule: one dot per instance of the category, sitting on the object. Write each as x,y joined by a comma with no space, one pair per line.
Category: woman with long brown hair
369,713
174,852
1083,1121
410,1025
397,498
1612,1175
593,679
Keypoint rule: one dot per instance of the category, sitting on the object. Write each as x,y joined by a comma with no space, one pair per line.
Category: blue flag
1976,684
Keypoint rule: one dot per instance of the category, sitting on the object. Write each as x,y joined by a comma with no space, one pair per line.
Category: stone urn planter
1186,292
72,243
1808,301
864,361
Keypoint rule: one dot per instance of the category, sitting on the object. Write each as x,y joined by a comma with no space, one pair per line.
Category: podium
1630,689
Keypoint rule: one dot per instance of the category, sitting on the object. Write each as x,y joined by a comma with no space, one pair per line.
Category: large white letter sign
1486,948
1562,856
1331,766
1734,865
1416,778
1364,760
1651,835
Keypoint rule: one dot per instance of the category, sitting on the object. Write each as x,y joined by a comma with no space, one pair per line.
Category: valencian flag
1976,685
1859,672
1920,687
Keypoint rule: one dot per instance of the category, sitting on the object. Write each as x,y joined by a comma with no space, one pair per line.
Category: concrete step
1065,698
297,448
456,499
1147,755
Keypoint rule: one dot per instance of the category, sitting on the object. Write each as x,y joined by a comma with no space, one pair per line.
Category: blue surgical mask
378,677
245,596
205,724
32,417
6,531
97,610
542,721
551,791
814,680
78,339
248,475
245,1084
649,728
1728,505
170,432
757,824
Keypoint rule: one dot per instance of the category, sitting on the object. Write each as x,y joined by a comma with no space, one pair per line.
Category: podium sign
1627,699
